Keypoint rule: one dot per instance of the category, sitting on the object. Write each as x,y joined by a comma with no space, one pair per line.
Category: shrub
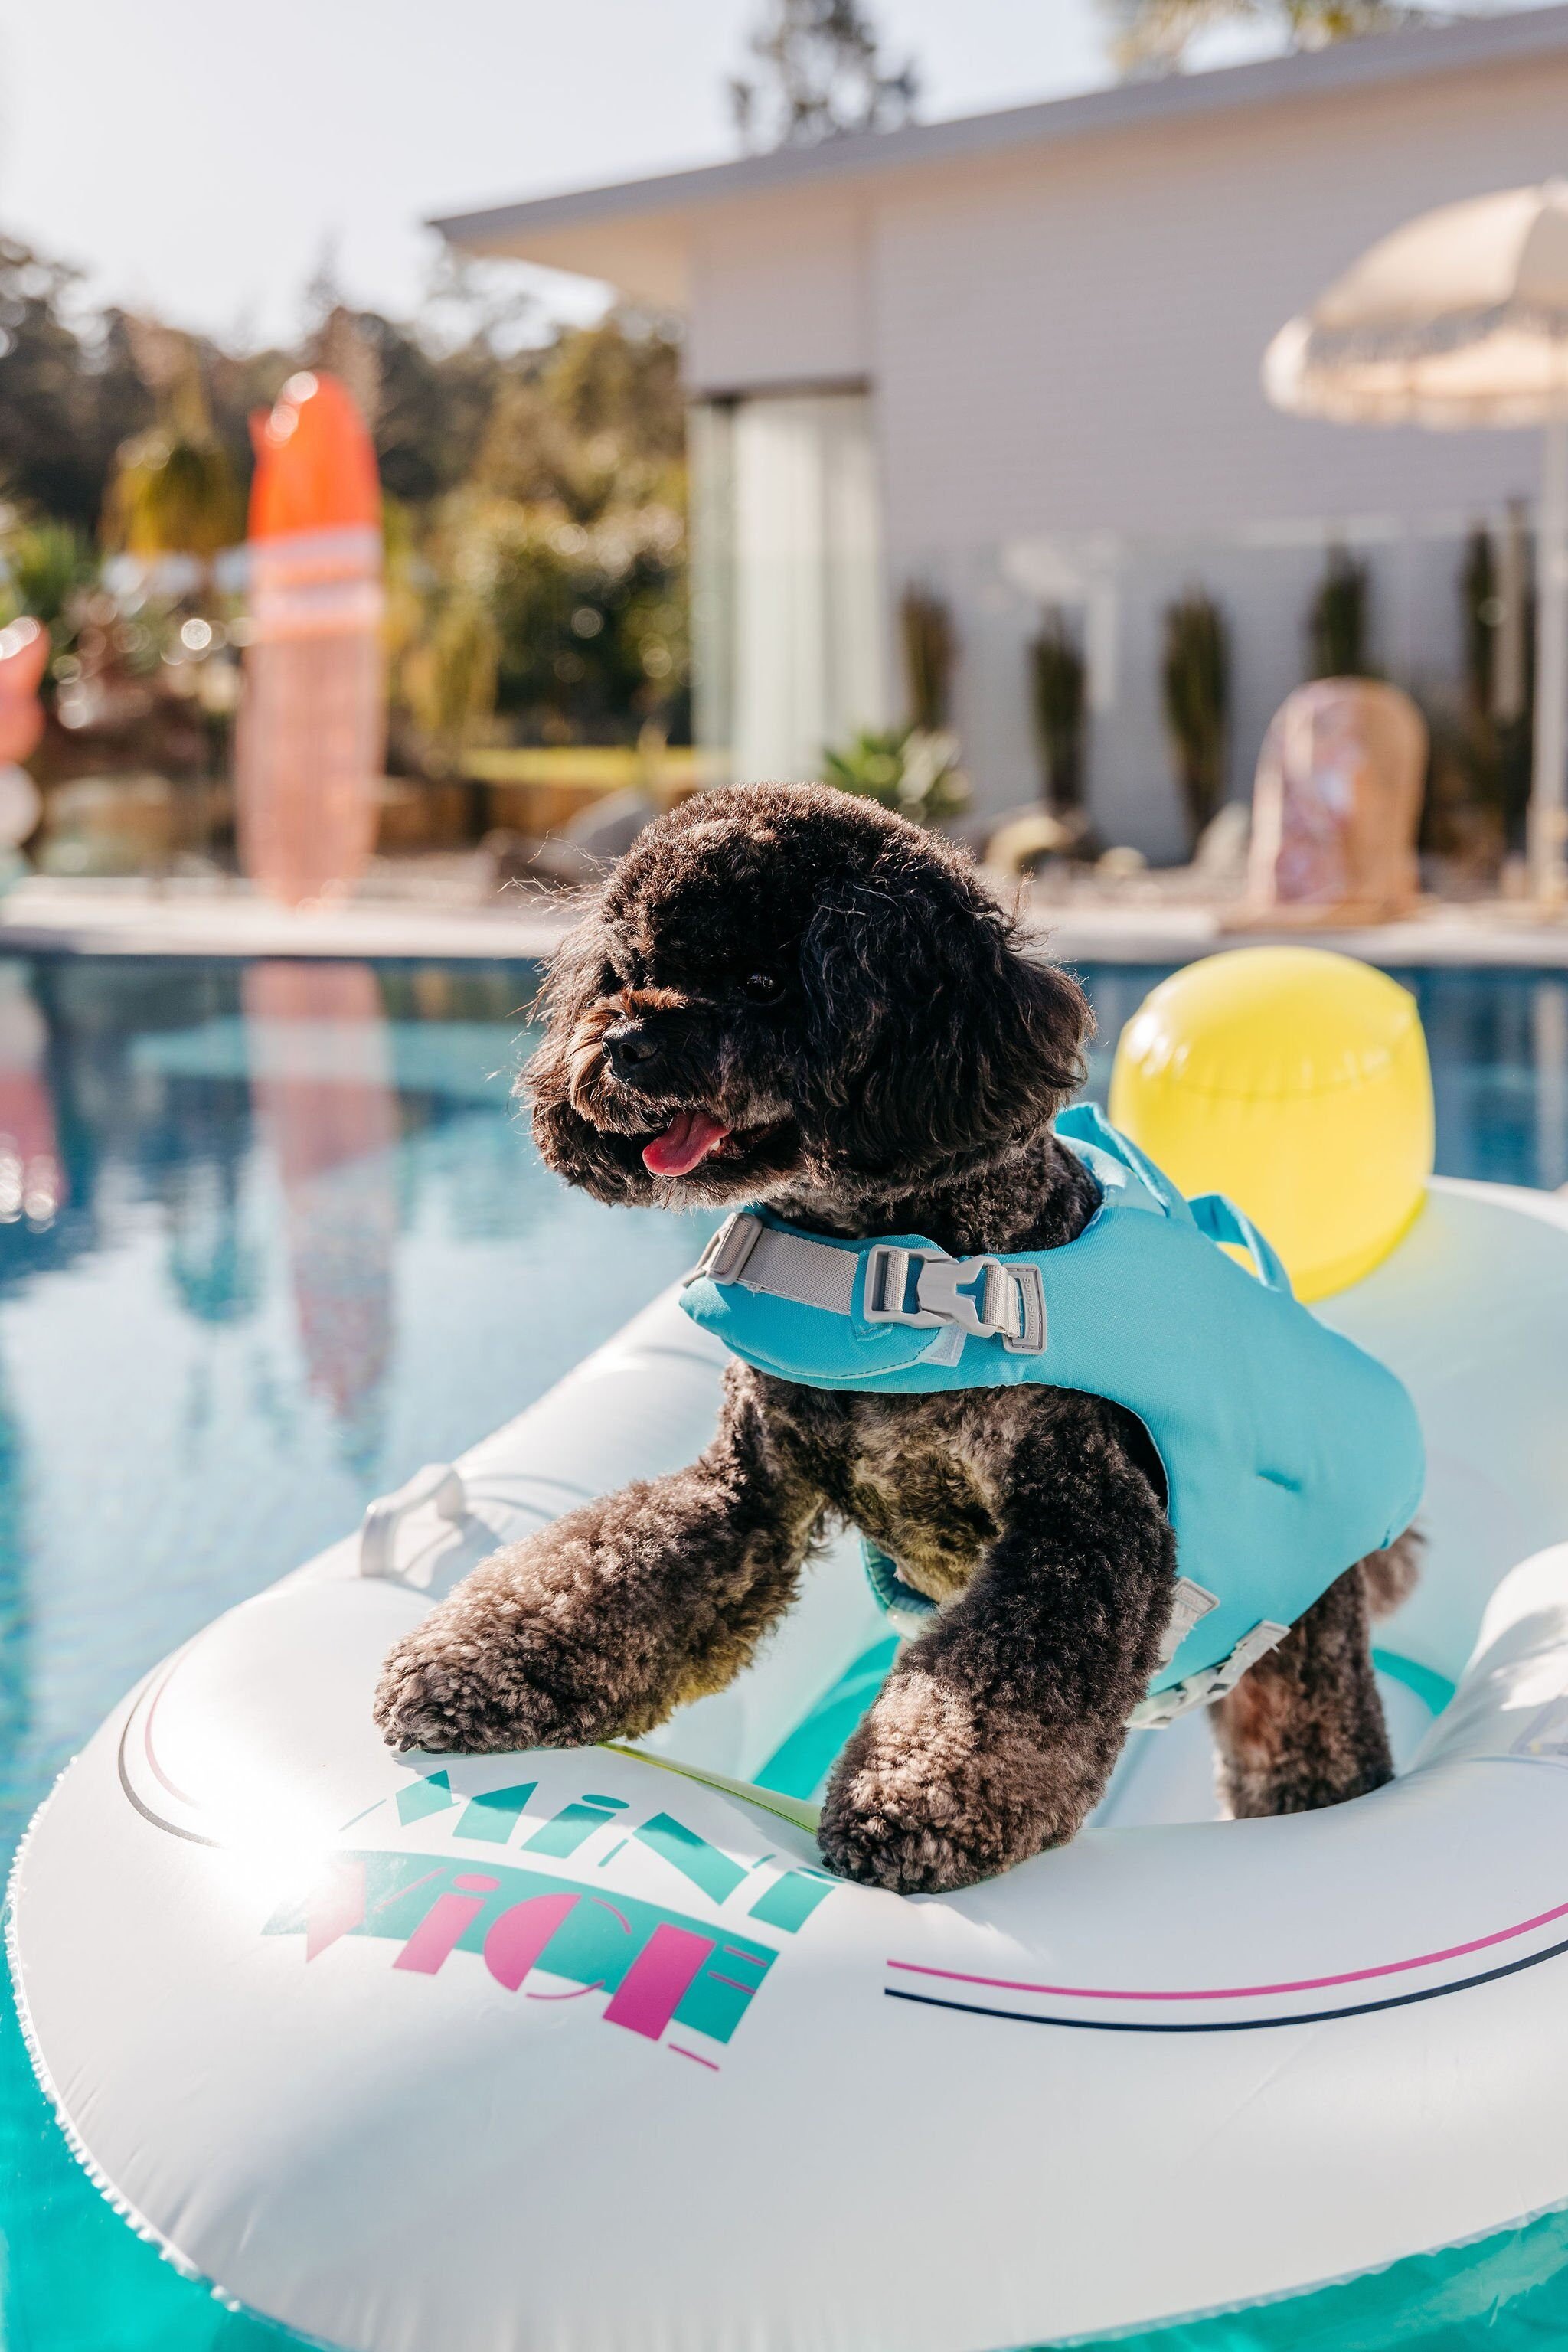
913,770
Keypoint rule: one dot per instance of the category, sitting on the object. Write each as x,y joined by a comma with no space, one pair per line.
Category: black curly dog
787,995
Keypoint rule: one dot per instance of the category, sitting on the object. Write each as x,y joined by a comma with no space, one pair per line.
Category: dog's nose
631,1045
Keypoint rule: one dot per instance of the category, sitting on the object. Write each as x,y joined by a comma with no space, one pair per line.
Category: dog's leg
996,1732
602,1624
1304,1726
1391,1576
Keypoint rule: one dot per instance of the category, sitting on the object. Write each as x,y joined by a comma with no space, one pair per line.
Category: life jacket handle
1212,1213
1087,1123
1222,1221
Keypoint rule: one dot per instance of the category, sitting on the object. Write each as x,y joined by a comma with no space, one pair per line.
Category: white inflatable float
582,2051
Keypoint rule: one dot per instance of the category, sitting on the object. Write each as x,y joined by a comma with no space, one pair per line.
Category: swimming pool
271,1237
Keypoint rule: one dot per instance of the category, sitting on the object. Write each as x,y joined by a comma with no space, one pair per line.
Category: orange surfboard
310,735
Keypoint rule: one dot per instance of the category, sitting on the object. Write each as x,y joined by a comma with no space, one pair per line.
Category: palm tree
173,491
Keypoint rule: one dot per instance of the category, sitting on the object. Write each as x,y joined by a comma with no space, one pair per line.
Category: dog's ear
933,1034
579,974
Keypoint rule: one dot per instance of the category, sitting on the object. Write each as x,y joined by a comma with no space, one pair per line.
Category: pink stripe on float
147,1748
1241,1992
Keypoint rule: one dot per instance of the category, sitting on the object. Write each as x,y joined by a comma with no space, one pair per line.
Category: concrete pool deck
43,916
1487,932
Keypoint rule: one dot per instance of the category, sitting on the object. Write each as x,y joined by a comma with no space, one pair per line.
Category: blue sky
197,159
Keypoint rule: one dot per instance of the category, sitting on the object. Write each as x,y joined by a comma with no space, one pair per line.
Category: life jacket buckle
979,1296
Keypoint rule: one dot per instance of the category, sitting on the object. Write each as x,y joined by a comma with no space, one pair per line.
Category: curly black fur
836,997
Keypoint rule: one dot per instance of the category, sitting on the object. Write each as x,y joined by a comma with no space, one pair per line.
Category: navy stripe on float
1230,2024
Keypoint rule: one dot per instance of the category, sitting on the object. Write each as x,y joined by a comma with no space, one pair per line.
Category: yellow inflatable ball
1295,1081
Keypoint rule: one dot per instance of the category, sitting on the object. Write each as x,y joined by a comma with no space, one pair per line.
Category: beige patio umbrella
1460,319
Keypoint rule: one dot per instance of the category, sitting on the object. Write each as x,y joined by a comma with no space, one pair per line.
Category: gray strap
788,1265
783,1265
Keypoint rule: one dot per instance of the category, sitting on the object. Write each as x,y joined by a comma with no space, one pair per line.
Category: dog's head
785,991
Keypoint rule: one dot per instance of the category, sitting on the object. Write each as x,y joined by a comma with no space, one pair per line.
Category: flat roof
566,231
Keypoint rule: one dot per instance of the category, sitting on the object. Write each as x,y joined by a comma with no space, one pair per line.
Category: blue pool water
271,1237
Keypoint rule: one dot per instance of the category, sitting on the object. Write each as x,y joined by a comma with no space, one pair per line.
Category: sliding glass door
788,611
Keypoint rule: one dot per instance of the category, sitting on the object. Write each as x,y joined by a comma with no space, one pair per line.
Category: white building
1016,358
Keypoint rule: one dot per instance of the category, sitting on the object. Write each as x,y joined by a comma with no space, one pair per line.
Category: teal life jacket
1289,1454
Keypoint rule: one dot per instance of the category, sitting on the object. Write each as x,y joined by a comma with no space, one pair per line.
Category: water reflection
299,1244
320,1061
31,1185
272,1238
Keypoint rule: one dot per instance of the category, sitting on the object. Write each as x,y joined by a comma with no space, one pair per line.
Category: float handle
437,1483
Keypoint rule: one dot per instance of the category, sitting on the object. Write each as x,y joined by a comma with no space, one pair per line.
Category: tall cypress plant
1195,678
1338,620
1059,694
926,626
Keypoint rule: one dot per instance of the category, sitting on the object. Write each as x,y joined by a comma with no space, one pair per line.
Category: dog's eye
761,987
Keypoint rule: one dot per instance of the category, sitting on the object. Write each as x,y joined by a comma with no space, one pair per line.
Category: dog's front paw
442,1690
911,1806
895,1842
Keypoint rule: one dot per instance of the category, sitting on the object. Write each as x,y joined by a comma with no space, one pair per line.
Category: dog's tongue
690,1136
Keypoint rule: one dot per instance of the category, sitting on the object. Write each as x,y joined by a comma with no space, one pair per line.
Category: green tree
593,421
818,72
44,563
69,395
433,407
1153,36
572,532
591,622
449,672
535,506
